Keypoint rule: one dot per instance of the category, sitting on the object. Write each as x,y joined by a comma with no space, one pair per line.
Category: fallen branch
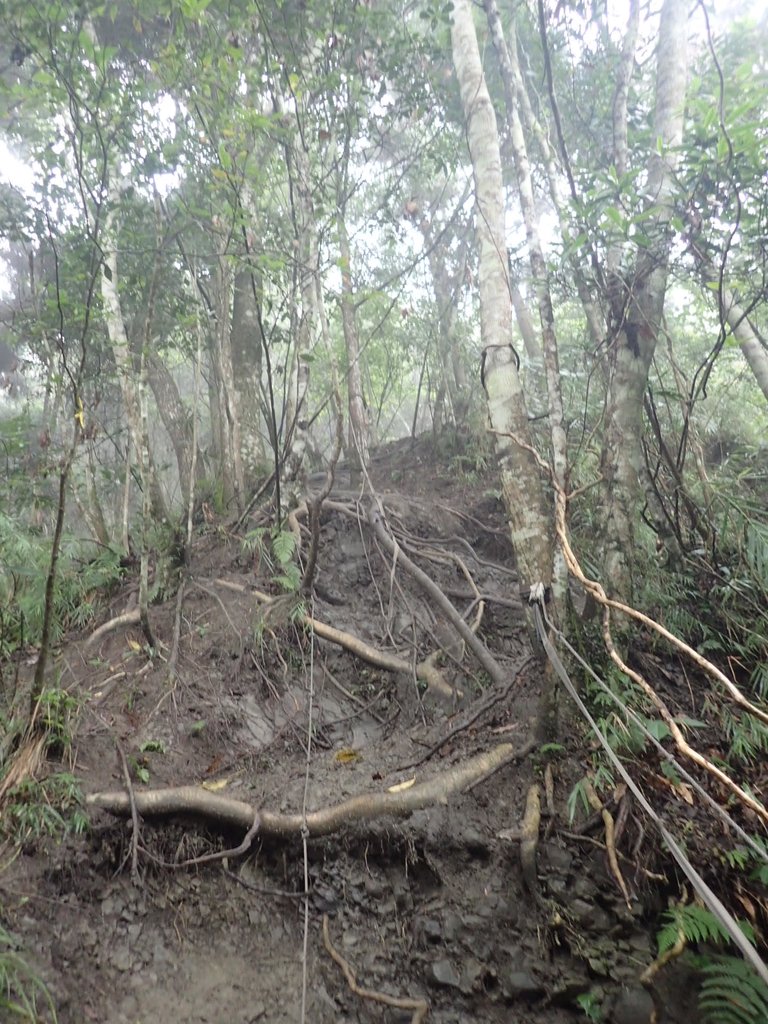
226,812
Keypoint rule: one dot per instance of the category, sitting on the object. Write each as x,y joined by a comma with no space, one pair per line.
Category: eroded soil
430,907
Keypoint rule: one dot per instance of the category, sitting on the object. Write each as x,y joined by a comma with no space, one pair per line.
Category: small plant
140,769
731,992
589,1004
52,807
152,747
22,990
57,709
275,549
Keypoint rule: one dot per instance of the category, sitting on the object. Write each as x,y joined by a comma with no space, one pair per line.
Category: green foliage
589,1004
22,990
696,923
52,807
275,548
57,709
731,993
24,562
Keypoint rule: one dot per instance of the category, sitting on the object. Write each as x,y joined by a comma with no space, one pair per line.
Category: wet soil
429,907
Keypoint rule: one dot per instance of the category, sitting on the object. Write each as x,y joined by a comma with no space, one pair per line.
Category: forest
384,517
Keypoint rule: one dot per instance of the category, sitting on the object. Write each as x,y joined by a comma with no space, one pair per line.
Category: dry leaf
400,786
216,785
347,756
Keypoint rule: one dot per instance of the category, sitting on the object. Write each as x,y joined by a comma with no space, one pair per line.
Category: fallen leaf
400,786
216,785
347,756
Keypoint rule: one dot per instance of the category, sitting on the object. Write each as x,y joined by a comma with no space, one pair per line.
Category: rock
633,1005
428,931
520,985
121,958
556,857
471,973
444,973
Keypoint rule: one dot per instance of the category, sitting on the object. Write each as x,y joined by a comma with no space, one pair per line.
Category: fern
697,925
732,993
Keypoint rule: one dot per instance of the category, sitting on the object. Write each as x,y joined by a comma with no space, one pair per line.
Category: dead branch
420,1007
474,713
368,807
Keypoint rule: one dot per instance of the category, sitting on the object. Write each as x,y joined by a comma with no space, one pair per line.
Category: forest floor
431,906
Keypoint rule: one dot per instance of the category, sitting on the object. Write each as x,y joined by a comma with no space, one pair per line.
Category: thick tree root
226,812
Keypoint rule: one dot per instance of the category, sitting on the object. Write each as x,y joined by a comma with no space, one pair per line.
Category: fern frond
732,993
696,923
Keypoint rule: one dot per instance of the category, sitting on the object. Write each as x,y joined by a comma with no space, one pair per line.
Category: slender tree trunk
752,345
358,418
173,414
306,276
223,374
447,287
246,366
118,337
636,330
530,523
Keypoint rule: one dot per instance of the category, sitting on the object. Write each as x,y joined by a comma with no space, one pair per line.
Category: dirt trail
431,907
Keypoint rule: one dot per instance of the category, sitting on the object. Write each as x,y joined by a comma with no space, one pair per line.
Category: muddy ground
429,907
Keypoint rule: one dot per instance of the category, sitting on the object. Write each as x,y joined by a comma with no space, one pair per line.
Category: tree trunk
228,420
530,523
637,317
174,416
358,419
752,345
121,351
246,366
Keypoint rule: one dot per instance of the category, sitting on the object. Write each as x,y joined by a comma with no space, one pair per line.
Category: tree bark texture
121,351
530,524
637,316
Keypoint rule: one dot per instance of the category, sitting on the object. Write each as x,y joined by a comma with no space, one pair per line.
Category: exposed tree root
528,837
425,670
610,843
597,591
131,618
420,1007
226,812
497,673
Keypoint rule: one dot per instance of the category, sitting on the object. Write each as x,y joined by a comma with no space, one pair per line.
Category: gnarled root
224,811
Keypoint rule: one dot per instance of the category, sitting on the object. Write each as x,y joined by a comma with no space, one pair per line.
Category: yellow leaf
134,644
400,786
215,786
346,756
